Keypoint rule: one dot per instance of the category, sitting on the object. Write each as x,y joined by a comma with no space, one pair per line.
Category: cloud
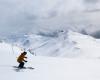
24,16
91,1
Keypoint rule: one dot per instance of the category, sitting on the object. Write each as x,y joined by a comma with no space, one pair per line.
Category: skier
21,60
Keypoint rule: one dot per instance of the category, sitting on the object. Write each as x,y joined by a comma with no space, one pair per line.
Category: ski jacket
21,58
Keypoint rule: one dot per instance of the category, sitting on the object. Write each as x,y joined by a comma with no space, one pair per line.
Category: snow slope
47,68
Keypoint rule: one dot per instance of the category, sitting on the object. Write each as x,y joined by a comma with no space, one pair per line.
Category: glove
25,61
26,57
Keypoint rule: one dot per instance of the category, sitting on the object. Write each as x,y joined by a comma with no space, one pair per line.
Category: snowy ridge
89,46
65,44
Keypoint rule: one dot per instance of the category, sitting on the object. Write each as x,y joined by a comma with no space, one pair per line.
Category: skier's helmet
24,53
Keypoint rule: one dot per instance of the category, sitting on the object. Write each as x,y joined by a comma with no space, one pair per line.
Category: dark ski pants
21,64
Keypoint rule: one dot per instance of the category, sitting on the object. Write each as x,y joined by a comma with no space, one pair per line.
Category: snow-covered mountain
59,44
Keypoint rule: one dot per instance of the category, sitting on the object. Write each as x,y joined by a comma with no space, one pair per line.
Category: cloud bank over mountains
25,16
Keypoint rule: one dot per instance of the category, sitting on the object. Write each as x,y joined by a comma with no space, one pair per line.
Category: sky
25,16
